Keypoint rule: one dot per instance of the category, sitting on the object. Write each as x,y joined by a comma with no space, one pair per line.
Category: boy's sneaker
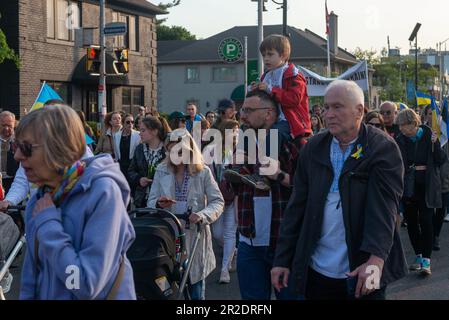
425,267
416,266
446,218
255,180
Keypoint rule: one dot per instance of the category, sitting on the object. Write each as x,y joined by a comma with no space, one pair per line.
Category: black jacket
370,189
138,169
435,158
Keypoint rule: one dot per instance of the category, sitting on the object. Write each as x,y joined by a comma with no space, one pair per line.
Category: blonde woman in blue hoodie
77,227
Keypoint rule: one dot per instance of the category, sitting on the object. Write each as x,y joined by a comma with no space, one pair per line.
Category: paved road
412,287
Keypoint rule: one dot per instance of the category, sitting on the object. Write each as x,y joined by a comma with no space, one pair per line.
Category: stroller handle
159,213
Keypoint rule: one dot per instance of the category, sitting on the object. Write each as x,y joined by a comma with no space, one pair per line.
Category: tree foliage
6,53
392,74
165,7
173,33
369,55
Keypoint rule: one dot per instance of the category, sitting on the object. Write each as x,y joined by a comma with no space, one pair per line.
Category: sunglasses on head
25,148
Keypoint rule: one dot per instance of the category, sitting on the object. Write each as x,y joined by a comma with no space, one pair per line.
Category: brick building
39,31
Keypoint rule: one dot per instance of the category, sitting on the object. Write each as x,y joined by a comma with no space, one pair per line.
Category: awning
80,76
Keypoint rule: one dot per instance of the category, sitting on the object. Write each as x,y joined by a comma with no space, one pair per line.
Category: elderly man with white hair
339,237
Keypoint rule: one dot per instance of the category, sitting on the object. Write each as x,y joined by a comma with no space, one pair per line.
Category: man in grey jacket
339,238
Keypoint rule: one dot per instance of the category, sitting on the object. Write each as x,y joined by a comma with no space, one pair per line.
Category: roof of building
143,6
306,45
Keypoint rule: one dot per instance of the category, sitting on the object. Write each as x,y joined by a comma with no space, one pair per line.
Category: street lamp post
260,10
414,36
441,68
283,6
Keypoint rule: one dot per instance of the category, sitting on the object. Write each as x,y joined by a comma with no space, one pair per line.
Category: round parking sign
230,50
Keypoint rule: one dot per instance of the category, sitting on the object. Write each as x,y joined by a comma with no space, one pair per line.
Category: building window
63,17
192,75
64,89
132,99
224,74
131,39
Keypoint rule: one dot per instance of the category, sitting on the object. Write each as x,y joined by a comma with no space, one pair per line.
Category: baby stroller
158,256
12,239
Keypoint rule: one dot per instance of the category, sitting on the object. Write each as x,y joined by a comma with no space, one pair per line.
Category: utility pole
102,84
284,20
260,32
441,62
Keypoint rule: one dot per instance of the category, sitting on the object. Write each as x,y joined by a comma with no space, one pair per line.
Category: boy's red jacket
294,101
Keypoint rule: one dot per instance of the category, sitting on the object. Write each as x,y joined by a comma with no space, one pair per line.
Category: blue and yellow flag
402,106
444,123
46,93
435,118
423,99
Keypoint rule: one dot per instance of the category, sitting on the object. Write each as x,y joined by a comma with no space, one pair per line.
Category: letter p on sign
231,49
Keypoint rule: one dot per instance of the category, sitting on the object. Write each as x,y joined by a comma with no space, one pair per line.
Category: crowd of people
310,209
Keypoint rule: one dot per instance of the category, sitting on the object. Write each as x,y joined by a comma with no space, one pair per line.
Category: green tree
165,7
369,55
173,33
6,53
392,74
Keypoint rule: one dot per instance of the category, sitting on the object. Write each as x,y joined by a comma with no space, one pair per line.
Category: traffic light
93,61
121,64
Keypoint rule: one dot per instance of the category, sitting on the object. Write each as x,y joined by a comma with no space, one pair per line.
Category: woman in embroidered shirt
77,227
182,181
147,156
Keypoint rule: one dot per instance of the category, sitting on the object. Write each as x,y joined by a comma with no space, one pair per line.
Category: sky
361,23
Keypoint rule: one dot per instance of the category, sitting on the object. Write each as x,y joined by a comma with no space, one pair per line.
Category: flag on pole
436,126
444,123
46,93
423,99
327,19
402,106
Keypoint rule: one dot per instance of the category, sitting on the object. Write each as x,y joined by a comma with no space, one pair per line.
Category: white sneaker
225,277
446,219
6,282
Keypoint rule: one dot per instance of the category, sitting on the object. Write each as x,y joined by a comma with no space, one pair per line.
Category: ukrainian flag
435,118
444,123
423,99
46,93
402,106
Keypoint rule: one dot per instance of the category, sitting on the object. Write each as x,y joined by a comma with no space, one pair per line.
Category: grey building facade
193,71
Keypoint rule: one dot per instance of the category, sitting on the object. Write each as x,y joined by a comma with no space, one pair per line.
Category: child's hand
253,86
262,86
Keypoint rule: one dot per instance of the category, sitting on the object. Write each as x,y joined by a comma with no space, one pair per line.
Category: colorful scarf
70,177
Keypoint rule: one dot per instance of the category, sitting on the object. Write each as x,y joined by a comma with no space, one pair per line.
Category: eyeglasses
129,121
25,148
387,113
251,110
